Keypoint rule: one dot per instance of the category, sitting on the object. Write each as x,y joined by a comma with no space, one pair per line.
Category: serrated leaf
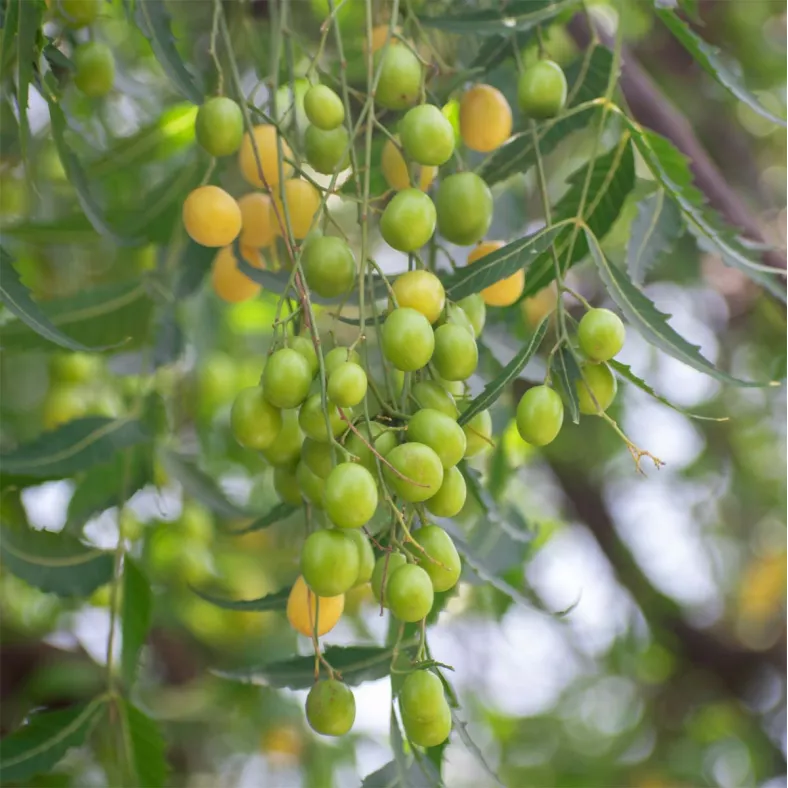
201,487
144,745
116,314
711,60
357,664
516,15
275,601
45,739
55,562
567,369
17,298
671,169
654,233
588,79
494,388
612,179
136,618
499,264
72,448
76,174
462,729
401,760
154,22
29,22
625,371
650,322
193,267
279,513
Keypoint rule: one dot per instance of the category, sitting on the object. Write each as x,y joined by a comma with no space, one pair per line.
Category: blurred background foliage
669,669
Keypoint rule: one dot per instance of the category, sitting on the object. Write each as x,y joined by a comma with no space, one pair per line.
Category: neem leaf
494,388
462,729
136,617
275,601
280,512
650,322
55,562
44,740
29,22
712,62
17,298
654,232
567,368
145,747
516,15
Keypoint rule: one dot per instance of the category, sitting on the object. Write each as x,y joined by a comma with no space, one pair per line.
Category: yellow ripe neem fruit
303,203
301,607
421,290
485,118
379,35
267,149
537,306
211,216
231,284
395,170
505,292
258,223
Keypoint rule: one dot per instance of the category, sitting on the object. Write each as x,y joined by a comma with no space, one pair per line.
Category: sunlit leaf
275,601
144,746
654,233
136,617
516,15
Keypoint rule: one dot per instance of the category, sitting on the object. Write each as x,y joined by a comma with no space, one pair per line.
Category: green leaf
517,15
73,447
390,776
650,322
115,314
654,233
200,486
275,601
279,513
154,22
55,562
711,60
193,267
10,17
462,729
671,169
612,179
29,22
136,616
496,49
499,264
47,737
71,229
567,368
17,298
588,78
494,388
144,745
169,343
357,664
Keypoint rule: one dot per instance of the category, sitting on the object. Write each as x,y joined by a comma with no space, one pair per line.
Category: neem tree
376,439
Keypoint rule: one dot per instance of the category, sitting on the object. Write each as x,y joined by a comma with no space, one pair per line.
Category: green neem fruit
312,419
382,439
429,394
304,346
540,414
286,378
421,698
286,448
254,421
329,562
94,69
366,557
426,135
409,593
330,708
478,434
474,307
323,107
420,290
455,315
312,487
456,355
441,562
317,457
601,334
386,565
347,385
599,381
407,339
350,496
337,356
432,733
541,90
286,485
329,266
219,126
420,467
399,83
78,13
450,498
464,206
440,432
408,221
327,151
75,367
